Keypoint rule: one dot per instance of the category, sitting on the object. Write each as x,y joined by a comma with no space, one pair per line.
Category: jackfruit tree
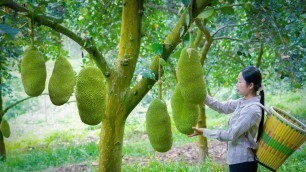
99,19
121,98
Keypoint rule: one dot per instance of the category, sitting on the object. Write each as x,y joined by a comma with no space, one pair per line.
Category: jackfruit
33,72
5,128
61,82
158,126
190,76
185,115
90,95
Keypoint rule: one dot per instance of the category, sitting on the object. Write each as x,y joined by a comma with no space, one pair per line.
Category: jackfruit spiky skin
195,91
90,95
190,76
61,82
5,128
33,72
185,115
158,126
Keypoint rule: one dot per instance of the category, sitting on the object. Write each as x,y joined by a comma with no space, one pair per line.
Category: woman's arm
226,108
250,117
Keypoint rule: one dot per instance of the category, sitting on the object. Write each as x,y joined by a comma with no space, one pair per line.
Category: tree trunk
2,148
2,145
111,138
110,146
202,140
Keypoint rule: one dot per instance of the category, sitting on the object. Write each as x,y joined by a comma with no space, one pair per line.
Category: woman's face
242,87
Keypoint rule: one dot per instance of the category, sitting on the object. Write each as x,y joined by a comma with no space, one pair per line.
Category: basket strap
263,107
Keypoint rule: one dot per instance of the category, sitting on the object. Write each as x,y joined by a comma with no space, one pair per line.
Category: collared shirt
242,127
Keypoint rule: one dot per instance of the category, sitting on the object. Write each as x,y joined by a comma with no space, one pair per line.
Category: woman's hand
197,131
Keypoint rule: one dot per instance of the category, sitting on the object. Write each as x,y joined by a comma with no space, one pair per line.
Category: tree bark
111,141
2,148
111,138
202,117
202,140
260,55
2,145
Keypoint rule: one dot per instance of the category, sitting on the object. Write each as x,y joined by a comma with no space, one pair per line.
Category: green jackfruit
90,95
61,82
190,76
185,115
158,126
194,92
5,128
33,72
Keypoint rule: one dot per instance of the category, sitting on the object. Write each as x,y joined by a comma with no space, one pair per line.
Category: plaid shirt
242,128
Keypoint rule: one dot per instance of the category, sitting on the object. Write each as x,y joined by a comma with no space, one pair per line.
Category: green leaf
214,2
5,29
182,29
185,2
206,14
163,62
247,7
187,19
176,54
157,48
227,10
186,38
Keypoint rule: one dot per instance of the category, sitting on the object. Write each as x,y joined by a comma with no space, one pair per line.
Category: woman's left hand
197,131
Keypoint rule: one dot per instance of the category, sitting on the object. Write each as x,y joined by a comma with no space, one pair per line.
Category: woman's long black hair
252,75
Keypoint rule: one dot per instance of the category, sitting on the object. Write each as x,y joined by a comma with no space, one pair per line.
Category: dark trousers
244,167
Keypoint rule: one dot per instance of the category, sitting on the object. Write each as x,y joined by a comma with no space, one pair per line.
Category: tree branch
207,43
19,101
47,21
161,7
223,27
198,39
234,39
129,45
231,5
260,55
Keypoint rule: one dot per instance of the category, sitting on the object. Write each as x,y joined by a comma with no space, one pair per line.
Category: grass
43,158
40,144
175,167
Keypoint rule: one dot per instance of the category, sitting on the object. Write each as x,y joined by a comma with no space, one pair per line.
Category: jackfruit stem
160,94
32,31
90,63
59,44
191,43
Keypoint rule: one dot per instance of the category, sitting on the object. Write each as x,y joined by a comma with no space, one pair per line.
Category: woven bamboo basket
282,135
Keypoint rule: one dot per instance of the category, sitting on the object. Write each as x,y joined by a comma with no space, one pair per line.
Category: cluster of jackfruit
61,82
5,128
90,95
33,72
189,92
190,76
158,126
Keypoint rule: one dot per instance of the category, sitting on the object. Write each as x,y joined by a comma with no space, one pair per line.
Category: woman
245,123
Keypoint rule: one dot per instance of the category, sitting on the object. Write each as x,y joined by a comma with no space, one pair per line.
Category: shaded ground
188,153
